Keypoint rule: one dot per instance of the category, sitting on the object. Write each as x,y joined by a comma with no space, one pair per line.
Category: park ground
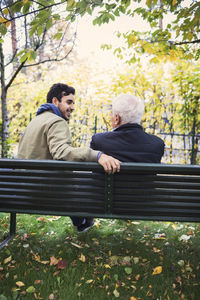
116,259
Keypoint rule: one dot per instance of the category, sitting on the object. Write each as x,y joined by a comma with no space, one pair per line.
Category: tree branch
173,42
38,3
30,13
12,59
51,59
65,31
184,43
15,75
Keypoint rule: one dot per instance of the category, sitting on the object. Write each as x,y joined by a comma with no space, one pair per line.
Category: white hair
129,108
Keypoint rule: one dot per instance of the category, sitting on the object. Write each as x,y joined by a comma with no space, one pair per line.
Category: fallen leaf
178,279
82,258
157,270
189,269
126,259
20,283
174,226
133,298
54,218
160,236
76,245
38,281
136,260
190,232
156,250
36,257
7,260
41,219
116,293
113,260
56,273
137,276
89,281
23,293
181,263
25,236
128,270
185,237
107,266
53,261
44,262
62,264
30,289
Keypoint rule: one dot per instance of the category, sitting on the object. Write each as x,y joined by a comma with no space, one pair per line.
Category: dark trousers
77,221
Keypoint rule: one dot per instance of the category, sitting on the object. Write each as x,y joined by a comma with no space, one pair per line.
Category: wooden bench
140,191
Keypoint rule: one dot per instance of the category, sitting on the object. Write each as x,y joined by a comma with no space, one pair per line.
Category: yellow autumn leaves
4,21
157,270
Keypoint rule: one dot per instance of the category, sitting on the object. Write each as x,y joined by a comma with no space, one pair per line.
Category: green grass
116,259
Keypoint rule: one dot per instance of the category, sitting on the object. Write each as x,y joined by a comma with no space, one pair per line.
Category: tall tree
51,40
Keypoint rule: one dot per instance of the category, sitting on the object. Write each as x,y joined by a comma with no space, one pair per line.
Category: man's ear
55,101
117,120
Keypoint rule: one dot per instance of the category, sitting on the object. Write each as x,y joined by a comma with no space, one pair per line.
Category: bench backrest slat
139,191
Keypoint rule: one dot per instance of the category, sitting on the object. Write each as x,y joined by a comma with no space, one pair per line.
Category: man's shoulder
46,120
49,117
102,135
155,138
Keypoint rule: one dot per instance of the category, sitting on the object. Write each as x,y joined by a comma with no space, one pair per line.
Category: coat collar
128,126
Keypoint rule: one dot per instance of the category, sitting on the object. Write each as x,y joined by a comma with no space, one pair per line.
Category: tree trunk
13,36
13,33
4,111
161,20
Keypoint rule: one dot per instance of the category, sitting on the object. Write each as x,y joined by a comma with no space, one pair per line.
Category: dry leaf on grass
157,270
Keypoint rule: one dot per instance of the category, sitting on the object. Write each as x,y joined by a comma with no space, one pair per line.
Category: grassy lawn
116,259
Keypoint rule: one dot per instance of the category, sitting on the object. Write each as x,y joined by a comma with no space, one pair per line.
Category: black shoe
86,226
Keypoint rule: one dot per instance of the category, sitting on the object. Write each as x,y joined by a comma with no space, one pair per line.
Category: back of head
59,90
129,108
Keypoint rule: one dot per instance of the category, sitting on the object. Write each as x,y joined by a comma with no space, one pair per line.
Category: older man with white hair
128,142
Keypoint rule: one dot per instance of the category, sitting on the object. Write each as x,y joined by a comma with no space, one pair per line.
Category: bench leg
12,230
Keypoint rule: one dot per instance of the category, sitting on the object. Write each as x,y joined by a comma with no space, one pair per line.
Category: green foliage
179,37
186,76
3,29
23,101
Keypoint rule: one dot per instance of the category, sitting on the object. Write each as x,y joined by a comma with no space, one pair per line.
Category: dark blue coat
129,143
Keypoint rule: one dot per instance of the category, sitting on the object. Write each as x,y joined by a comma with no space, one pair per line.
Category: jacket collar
47,107
128,126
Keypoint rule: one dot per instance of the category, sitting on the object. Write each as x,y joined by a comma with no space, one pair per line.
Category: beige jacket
48,137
